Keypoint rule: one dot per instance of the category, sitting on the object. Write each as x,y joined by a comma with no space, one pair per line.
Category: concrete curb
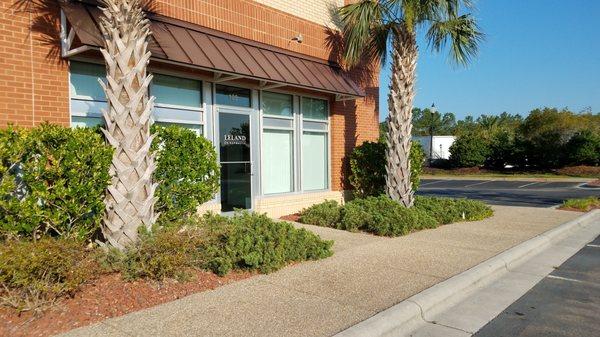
411,312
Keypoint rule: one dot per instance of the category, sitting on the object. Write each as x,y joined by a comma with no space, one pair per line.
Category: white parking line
594,246
564,278
480,183
433,182
537,182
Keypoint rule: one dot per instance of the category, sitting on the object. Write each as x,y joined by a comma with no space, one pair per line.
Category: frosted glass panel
84,80
314,161
276,104
277,161
176,91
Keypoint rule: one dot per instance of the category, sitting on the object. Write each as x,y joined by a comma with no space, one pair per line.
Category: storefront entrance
235,141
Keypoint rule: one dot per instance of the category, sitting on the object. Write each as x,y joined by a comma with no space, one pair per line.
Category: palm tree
130,195
368,27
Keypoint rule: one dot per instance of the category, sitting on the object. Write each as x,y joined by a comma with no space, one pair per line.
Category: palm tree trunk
400,102
130,196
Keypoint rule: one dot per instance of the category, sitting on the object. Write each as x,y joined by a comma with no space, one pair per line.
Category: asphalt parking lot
565,303
508,192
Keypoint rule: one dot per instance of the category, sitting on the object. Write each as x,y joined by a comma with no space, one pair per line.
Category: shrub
448,210
33,273
187,171
582,204
254,241
52,181
367,167
383,216
326,214
468,150
502,149
583,149
168,252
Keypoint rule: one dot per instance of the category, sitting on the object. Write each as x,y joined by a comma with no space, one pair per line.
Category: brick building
260,79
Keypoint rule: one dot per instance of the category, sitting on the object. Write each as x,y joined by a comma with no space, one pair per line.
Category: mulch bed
108,296
573,209
291,217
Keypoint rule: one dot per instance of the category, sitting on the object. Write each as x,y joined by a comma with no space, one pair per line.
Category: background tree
369,26
130,195
430,122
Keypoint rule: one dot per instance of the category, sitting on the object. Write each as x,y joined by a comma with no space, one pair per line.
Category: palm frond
359,20
462,32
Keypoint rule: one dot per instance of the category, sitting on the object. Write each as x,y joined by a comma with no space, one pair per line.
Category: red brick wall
33,84
34,80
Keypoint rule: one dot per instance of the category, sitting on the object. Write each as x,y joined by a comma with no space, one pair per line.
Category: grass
492,174
582,204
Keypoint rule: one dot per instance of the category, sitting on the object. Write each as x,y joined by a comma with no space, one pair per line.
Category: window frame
327,131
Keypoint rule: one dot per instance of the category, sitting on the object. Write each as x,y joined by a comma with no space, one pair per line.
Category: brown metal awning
227,55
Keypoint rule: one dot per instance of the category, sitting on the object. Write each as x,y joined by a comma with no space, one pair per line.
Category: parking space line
594,246
480,183
535,182
433,182
564,278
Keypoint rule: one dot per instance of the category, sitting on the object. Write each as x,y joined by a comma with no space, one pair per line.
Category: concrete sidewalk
366,275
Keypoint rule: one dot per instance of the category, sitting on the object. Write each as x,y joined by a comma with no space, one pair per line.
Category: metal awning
228,56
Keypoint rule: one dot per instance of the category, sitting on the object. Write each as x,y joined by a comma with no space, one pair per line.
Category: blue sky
536,53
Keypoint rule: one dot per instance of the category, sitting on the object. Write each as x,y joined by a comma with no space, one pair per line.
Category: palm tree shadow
363,74
45,22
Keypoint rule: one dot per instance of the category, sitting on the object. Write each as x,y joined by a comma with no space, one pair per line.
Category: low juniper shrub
325,214
35,273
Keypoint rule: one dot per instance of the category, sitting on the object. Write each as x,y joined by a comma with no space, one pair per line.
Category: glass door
236,164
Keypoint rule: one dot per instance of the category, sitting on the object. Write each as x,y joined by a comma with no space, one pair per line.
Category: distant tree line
546,138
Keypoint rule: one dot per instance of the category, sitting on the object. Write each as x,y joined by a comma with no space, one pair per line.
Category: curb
406,315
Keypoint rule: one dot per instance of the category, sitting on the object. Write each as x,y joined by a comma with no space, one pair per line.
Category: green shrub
52,181
383,216
187,171
254,241
168,252
34,273
447,210
367,168
326,214
582,204
502,150
469,150
218,243
583,149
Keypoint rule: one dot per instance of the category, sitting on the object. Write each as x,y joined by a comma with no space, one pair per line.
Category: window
277,143
313,108
315,147
87,96
178,100
276,104
233,96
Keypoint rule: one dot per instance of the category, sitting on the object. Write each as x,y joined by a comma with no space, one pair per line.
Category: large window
87,96
277,143
315,145
178,100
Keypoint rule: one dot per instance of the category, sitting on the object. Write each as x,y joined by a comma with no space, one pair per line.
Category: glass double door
235,148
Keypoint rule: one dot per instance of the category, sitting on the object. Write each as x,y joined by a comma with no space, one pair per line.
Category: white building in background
441,145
